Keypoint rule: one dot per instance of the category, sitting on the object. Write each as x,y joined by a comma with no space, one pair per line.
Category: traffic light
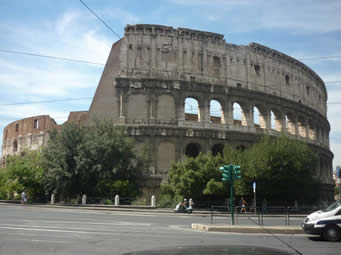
226,171
236,172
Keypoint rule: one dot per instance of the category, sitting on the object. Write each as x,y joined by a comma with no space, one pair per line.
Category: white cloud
51,80
66,38
15,112
336,149
66,21
303,16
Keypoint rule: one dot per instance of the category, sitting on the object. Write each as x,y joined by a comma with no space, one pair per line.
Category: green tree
61,175
24,173
198,178
282,167
97,161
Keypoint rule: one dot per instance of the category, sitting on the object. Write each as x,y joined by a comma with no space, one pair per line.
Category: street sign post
254,197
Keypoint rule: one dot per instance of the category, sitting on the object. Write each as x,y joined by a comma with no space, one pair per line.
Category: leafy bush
108,202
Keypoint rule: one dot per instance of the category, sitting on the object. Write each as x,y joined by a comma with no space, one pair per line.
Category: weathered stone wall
31,133
153,70
26,134
79,117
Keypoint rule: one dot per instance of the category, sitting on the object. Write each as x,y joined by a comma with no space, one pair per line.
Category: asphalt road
32,230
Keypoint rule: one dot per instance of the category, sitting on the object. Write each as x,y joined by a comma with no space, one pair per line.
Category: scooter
182,209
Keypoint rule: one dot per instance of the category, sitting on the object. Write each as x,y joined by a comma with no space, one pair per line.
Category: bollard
117,200
84,199
52,199
153,201
190,202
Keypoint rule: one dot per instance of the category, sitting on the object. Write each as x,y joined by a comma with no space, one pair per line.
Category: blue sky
65,28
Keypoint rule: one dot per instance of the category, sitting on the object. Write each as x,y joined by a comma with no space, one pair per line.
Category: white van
326,222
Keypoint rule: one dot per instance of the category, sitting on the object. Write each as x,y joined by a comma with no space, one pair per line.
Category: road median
247,228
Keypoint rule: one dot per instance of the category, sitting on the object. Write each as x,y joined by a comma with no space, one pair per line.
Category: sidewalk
129,208
248,229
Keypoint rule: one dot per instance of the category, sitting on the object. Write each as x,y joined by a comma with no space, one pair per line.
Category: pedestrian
243,205
23,197
185,203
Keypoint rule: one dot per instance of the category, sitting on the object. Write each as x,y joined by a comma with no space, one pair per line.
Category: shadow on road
316,239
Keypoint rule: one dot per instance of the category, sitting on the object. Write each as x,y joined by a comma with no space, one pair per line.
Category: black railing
264,214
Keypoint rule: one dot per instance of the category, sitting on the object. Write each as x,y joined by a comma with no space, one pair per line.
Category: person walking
243,205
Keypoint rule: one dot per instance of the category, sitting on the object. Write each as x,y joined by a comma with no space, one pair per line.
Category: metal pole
254,197
288,216
254,203
211,215
232,203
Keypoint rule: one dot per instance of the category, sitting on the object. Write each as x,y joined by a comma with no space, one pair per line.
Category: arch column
229,111
123,107
267,118
248,112
296,126
283,123
306,125
181,109
252,112
204,111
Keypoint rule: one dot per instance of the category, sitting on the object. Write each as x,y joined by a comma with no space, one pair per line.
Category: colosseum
183,91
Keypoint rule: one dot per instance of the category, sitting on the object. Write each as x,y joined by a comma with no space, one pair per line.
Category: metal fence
281,215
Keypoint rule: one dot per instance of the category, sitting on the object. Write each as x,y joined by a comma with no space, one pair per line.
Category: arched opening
217,148
15,146
192,150
272,120
277,120
192,111
258,117
239,118
301,127
291,123
216,112
311,130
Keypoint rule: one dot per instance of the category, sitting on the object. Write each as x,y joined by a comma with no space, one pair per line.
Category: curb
247,229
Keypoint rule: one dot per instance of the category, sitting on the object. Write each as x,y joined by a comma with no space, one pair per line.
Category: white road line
77,236
54,230
111,223
35,240
53,227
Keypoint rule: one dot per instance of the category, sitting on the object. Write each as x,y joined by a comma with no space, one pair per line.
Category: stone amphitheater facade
26,134
153,70
31,133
